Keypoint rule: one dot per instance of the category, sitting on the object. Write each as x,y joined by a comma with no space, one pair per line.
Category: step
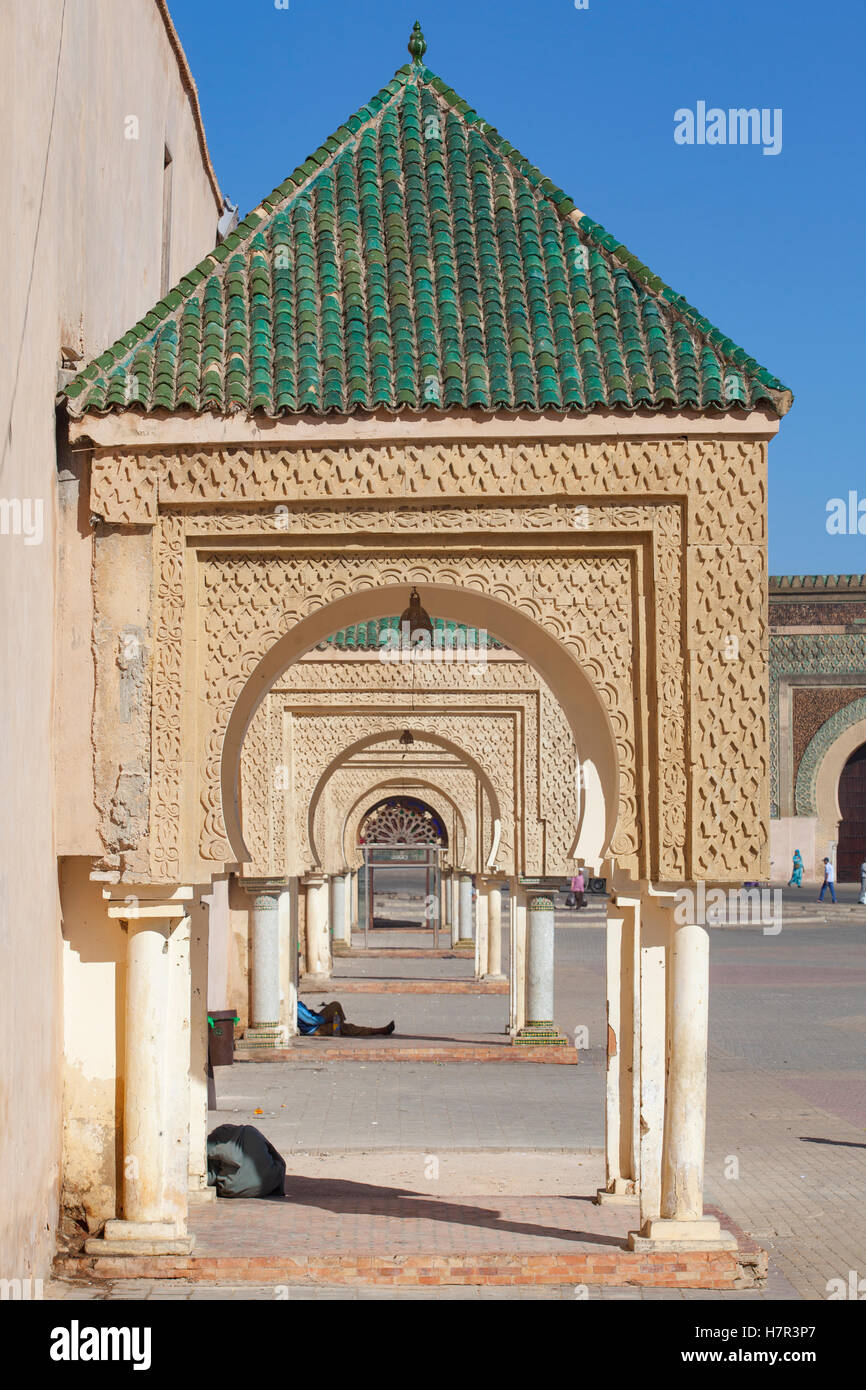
340,985
378,1050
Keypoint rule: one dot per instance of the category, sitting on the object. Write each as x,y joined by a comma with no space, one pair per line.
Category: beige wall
81,228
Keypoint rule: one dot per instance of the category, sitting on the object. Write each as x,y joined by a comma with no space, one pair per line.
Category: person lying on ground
330,1021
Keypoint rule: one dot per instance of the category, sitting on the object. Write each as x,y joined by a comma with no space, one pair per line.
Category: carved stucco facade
500,714
645,559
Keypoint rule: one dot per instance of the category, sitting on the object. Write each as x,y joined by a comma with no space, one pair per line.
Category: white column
265,960
156,1112
318,947
455,908
465,908
517,1002
353,892
673,1217
288,929
339,920
540,1028
481,940
198,1033
494,930
622,1100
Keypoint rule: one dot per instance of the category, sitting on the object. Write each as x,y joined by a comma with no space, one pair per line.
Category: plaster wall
94,1010
81,225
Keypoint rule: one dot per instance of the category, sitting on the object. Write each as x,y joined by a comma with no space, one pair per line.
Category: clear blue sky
769,248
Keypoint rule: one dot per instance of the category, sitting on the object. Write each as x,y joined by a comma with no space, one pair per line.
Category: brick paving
176,1290
343,1231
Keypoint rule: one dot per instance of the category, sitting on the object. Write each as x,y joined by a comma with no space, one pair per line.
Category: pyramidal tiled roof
417,262
370,636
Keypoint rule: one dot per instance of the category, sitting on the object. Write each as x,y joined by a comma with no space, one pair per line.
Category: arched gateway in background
418,364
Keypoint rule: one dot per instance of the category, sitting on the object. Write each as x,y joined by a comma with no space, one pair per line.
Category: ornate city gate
417,364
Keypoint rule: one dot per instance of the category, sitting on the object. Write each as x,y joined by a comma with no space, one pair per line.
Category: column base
202,1196
261,1035
494,977
626,1195
466,943
314,981
140,1238
704,1233
545,1034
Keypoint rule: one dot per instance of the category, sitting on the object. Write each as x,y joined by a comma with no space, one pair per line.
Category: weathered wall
94,1002
81,227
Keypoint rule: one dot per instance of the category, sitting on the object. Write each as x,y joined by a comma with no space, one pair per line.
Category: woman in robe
796,879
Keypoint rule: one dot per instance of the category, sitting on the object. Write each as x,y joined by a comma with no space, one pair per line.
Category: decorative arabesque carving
705,584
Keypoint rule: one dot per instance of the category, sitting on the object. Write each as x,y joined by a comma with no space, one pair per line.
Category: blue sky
768,247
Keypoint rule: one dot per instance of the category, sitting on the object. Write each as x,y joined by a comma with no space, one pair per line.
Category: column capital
540,902
130,902
264,887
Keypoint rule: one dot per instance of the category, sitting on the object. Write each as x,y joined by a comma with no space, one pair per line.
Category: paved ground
786,1142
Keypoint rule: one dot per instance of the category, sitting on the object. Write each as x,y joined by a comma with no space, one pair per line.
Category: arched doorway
852,827
401,838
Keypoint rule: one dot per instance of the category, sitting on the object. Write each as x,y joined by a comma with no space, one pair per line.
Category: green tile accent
416,261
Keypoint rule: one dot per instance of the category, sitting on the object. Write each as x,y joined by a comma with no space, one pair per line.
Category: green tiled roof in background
418,262
367,637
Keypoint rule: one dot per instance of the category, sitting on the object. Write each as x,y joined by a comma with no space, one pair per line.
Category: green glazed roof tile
417,261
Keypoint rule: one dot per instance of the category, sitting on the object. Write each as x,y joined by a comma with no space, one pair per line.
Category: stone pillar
156,1109
340,927
465,909
288,918
493,894
354,917
447,899
622,1101
318,961
674,1023
540,1029
455,908
481,902
200,914
265,1028
517,926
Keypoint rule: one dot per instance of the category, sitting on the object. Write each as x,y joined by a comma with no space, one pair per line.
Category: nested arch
389,736
427,790
598,760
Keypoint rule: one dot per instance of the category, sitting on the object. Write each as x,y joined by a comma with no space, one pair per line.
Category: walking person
829,876
862,897
578,886
796,879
